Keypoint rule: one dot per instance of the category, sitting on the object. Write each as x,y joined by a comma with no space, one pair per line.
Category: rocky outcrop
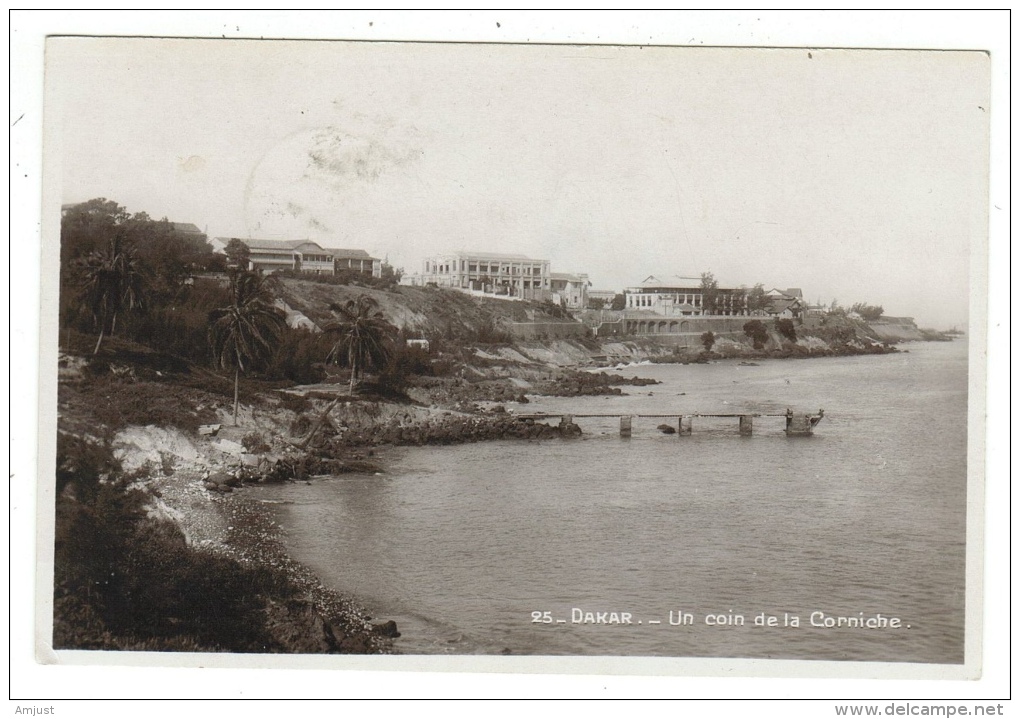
298,625
896,329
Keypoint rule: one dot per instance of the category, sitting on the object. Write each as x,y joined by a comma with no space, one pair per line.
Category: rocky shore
180,442
303,616
195,482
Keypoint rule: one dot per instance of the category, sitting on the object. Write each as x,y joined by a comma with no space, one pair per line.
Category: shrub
869,313
759,334
708,339
839,335
300,357
125,581
84,464
489,333
171,590
786,328
118,403
300,426
255,443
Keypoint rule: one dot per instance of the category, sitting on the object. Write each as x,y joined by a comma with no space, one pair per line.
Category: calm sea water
466,546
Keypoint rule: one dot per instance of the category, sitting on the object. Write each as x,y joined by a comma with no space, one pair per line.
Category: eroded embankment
148,558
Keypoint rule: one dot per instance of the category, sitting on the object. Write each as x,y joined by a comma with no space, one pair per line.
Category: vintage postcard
514,357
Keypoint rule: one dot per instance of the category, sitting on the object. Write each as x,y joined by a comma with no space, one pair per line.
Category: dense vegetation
166,324
125,581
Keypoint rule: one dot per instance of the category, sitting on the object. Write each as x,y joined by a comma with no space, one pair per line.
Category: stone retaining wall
547,330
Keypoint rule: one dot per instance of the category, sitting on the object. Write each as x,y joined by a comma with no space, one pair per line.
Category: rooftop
670,281
256,244
465,254
343,254
780,305
188,228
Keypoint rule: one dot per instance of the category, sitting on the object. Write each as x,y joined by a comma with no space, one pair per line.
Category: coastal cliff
897,329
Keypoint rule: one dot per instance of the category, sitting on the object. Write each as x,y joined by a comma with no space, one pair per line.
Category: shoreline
305,616
217,516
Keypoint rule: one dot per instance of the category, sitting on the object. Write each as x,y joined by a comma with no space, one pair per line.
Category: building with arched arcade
675,296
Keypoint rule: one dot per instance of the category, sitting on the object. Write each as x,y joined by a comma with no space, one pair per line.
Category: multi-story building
356,260
683,296
502,274
302,255
570,289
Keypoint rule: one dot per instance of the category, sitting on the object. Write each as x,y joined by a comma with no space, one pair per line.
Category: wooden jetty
796,424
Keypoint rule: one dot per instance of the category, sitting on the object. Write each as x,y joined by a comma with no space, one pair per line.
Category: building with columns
675,296
302,255
510,275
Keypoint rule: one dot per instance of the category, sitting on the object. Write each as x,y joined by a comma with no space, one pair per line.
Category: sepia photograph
521,357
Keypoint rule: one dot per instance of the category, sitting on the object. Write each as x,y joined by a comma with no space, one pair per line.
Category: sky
858,176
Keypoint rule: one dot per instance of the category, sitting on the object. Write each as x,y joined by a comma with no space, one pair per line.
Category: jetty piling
796,424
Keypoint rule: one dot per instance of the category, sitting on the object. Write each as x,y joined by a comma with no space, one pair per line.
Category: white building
501,274
682,296
570,289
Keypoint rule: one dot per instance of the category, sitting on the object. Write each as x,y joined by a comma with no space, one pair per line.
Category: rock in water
569,429
386,629
667,429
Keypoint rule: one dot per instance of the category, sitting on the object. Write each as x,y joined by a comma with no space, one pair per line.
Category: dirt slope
427,311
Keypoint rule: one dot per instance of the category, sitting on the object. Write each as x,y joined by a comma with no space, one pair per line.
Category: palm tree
242,335
111,281
364,339
364,336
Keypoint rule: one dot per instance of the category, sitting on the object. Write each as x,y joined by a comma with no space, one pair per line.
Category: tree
169,256
364,336
596,303
708,339
786,328
867,312
738,300
757,299
238,254
619,302
88,226
756,330
110,282
364,339
84,228
242,334
390,274
709,294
